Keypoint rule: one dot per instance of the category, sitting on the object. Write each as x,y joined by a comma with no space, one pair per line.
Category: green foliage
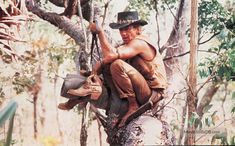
194,117
211,119
215,19
145,7
222,137
142,6
205,68
8,113
20,82
211,16
233,110
222,64
168,4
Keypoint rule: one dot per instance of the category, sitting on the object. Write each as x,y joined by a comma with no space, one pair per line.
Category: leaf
198,123
222,136
207,108
233,110
8,112
193,118
232,43
214,113
233,95
208,121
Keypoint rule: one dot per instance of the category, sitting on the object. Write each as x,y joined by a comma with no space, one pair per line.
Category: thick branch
74,31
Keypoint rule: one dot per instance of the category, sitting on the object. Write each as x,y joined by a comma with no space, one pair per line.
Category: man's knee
116,66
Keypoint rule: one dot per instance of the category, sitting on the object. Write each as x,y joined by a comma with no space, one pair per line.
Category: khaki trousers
127,81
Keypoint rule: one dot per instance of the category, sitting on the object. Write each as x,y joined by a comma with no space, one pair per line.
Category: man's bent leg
130,84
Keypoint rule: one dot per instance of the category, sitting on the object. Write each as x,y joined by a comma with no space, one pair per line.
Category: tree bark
172,45
191,97
206,98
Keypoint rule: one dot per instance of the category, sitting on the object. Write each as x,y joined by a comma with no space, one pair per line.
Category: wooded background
43,40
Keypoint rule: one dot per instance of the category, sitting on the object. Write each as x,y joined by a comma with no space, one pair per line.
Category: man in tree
134,71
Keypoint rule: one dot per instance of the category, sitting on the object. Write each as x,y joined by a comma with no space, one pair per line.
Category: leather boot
70,104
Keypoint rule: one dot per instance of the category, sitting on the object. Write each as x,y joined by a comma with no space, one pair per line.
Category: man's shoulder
147,40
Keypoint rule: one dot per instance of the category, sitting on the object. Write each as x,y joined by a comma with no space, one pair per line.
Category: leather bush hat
127,18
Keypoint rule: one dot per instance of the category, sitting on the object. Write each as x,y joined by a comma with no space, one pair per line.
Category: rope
93,45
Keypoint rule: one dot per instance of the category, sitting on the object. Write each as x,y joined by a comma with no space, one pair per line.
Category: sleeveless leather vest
152,70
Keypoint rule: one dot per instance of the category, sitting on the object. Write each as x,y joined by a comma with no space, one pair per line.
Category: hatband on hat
127,18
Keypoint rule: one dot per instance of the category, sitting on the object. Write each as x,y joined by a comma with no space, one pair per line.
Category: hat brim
122,25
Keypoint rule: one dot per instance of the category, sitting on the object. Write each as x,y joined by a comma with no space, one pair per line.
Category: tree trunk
174,44
206,98
191,97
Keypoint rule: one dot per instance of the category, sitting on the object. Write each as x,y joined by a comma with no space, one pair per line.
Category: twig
181,91
215,34
208,51
170,10
180,55
175,56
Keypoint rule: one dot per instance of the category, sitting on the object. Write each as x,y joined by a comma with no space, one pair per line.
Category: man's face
128,33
